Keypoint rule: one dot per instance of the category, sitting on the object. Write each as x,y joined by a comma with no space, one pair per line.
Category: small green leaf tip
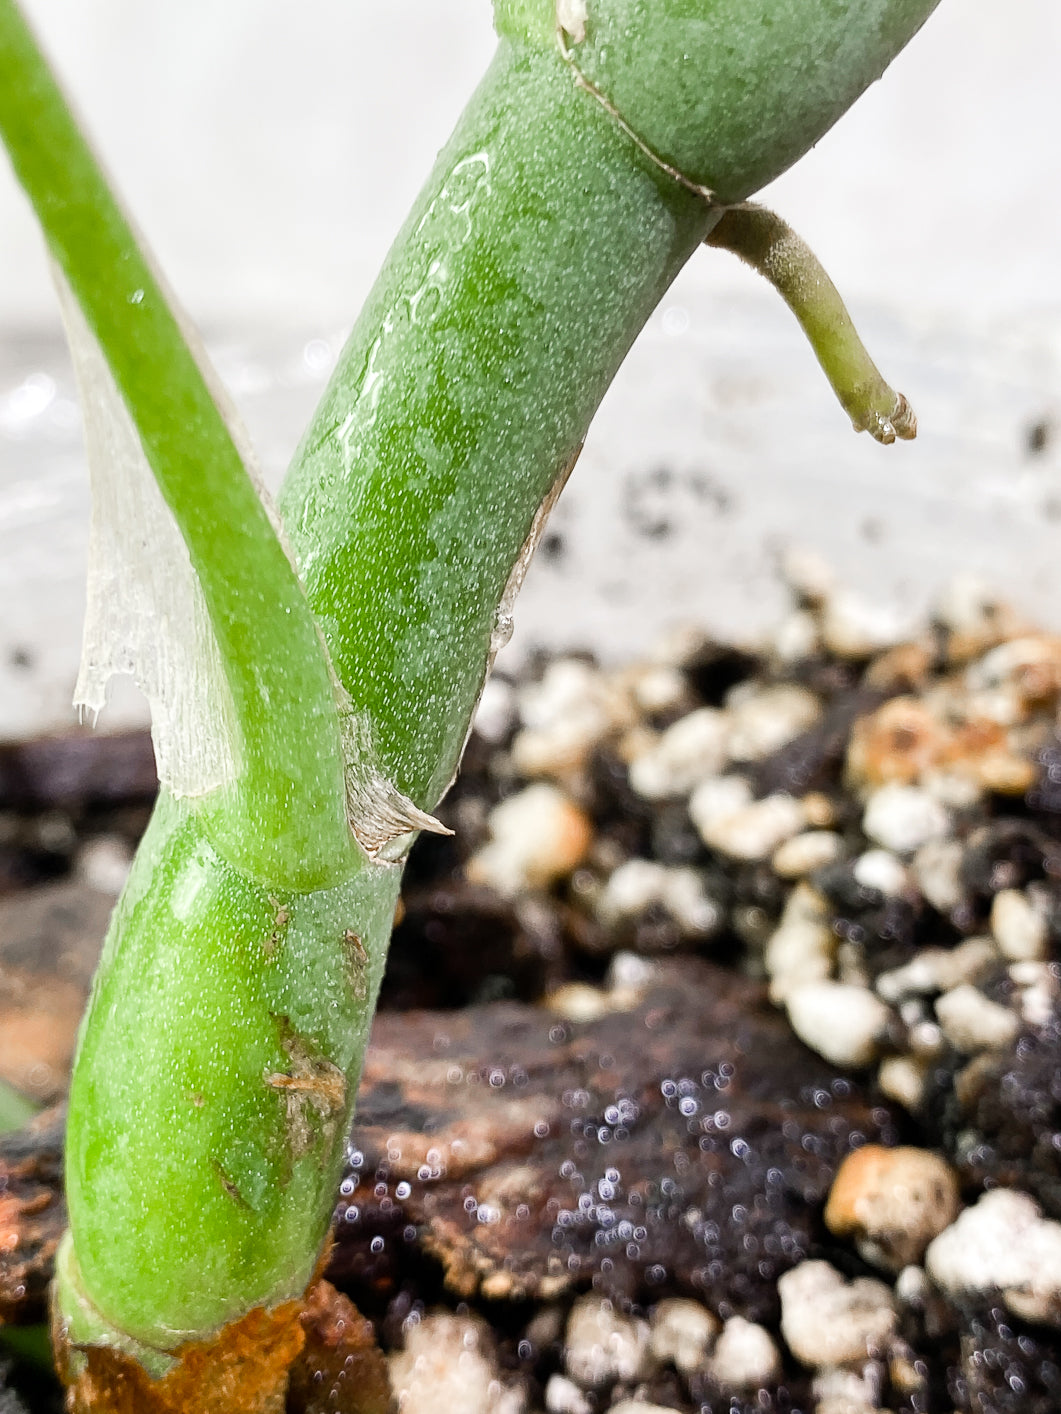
770,246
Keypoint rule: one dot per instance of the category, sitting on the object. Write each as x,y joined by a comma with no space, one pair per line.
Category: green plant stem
729,93
214,1085
288,822
544,238
218,1062
169,1094
539,246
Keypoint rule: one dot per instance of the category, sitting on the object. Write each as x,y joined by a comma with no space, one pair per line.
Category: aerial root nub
770,246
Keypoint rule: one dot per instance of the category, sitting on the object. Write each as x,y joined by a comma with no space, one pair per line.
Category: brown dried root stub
769,245
313,1088
245,1367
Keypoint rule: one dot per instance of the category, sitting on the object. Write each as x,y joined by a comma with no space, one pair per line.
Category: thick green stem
214,1084
539,246
287,820
727,92
551,225
218,1063
529,268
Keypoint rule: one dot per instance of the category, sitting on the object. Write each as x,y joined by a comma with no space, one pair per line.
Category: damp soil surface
708,926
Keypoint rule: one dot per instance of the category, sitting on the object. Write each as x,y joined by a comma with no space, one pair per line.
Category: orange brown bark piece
245,1367
305,1358
527,1154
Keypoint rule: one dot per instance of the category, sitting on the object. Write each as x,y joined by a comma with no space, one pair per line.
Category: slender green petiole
772,247
289,823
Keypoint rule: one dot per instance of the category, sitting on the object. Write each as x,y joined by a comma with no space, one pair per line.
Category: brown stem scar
325,1092
281,918
355,947
355,958
313,1089
229,1186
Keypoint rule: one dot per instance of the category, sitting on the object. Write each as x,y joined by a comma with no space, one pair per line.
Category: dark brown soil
680,1141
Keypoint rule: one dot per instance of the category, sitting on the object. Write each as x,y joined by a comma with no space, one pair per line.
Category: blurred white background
270,152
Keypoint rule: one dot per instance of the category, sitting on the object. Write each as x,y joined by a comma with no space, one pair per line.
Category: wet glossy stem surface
551,226
540,245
